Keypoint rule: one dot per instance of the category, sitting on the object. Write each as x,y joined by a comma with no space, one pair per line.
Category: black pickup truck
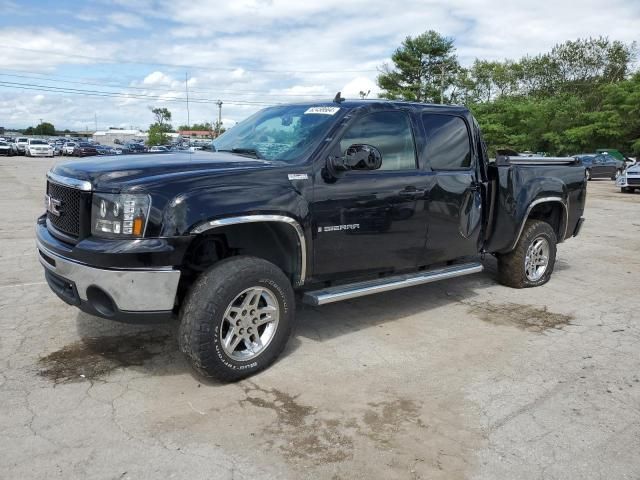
311,202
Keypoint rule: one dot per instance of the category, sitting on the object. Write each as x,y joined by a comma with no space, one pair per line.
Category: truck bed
520,185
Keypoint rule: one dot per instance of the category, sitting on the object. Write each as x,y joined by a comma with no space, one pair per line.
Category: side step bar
360,289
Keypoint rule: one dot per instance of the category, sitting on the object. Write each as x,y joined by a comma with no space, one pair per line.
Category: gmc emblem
52,205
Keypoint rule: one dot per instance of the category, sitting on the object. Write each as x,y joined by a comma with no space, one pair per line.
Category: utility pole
441,83
95,118
186,88
219,103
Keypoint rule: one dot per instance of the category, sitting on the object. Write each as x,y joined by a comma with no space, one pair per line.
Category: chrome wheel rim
536,260
249,323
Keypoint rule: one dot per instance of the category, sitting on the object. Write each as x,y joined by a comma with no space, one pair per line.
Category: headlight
117,216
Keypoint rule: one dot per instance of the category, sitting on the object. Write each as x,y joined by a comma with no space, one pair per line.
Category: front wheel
237,318
626,190
587,174
531,263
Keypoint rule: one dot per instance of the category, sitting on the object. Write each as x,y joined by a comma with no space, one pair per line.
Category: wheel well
551,213
272,241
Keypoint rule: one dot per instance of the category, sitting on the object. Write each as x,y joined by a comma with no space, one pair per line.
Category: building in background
116,136
198,134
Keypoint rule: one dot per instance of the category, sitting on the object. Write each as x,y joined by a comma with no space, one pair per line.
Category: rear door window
448,142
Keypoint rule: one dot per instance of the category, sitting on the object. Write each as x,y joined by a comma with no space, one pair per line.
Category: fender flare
291,222
563,227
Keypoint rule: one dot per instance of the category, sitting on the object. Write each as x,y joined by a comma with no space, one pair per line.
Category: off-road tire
205,306
511,266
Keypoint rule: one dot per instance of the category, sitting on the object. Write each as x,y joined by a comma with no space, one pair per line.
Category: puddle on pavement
302,434
526,317
95,357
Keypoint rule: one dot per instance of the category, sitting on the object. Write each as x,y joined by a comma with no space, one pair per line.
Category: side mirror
359,157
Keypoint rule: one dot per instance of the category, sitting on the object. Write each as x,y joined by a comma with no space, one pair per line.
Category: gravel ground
460,379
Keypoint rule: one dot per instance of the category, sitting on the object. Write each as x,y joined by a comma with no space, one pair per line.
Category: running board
360,289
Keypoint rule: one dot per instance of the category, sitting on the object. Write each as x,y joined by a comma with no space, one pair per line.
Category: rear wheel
531,263
587,174
237,318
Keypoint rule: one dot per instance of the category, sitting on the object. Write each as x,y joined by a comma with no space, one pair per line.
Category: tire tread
511,265
206,298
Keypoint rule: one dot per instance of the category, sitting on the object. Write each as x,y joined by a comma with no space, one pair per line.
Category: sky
106,63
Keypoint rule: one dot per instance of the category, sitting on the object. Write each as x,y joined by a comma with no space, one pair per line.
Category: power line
58,78
181,66
97,93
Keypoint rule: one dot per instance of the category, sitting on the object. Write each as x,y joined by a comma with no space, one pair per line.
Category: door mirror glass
359,157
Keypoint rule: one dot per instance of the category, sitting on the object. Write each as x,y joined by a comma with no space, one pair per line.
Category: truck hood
131,171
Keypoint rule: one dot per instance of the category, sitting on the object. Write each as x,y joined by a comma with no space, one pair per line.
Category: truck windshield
283,133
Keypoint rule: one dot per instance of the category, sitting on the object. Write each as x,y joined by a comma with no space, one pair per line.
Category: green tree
163,116
424,69
45,128
158,130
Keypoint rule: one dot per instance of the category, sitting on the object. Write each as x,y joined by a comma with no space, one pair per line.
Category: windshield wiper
252,152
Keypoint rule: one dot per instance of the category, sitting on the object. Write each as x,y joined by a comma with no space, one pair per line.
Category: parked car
57,148
615,154
21,144
159,149
67,148
600,165
134,148
7,149
38,148
84,149
629,180
104,150
362,197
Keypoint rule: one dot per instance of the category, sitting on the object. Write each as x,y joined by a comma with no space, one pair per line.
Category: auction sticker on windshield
322,110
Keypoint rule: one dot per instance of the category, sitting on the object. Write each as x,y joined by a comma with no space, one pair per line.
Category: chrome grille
70,199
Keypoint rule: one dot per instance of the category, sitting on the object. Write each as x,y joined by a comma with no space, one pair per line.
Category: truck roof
354,103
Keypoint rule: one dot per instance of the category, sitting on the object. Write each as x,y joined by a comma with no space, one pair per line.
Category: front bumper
135,295
623,181
40,153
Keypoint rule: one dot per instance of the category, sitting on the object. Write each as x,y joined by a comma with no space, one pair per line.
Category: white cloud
126,20
238,73
43,48
360,84
157,78
269,50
